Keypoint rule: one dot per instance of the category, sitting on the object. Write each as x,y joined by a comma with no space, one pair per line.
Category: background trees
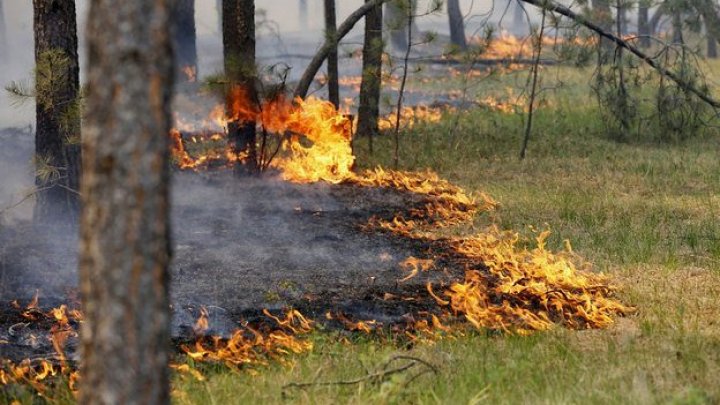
124,250
184,40
57,83
368,110
238,28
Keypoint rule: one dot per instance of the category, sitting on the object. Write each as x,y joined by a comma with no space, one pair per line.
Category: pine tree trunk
369,108
457,25
603,17
644,24
124,247
332,61
712,52
396,23
57,133
239,52
184,40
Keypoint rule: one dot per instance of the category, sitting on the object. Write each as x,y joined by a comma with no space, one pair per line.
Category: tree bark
316,63
712,52
369,108
239,54
644,24
184,40
124,247
603,16
332,60
57,133
457,25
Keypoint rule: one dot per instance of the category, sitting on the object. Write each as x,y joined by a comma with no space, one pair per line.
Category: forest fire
494,283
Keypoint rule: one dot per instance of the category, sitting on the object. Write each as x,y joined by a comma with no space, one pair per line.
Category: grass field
645,213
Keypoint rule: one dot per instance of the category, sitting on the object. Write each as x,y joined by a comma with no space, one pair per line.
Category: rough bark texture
316,63
124,247
184,40
711,47
457,24
57,136
238,18
332,60
368,110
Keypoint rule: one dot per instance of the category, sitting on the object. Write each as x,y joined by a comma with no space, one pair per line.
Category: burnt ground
241,246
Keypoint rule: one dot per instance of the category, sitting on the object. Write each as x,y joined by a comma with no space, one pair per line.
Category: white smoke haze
260,226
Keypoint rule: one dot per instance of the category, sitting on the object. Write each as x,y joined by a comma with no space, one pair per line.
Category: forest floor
644,212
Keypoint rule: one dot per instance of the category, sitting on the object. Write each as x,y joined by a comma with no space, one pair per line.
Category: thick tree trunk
332,60
184,40
457,25
57,135
124,247
644,24
369,108
239,53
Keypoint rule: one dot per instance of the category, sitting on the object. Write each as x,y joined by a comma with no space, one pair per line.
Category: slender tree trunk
677,28
711,46
57,135
369,109
184,40
239,53
603,17
643,24
316,63
124,247
332,60
395,22
457,24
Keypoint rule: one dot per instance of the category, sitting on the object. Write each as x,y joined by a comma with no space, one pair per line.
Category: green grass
645,213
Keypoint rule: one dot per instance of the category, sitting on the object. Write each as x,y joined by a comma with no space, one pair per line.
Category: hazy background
288,31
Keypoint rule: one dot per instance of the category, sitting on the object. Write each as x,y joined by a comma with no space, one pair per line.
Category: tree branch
549,5
331,42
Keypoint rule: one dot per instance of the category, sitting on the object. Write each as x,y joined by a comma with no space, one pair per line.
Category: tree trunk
643,24
396,22
184,40
603,17
332,60
316,63
457,25
369,109
124,246
239,53
711,46
57,133
677,27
